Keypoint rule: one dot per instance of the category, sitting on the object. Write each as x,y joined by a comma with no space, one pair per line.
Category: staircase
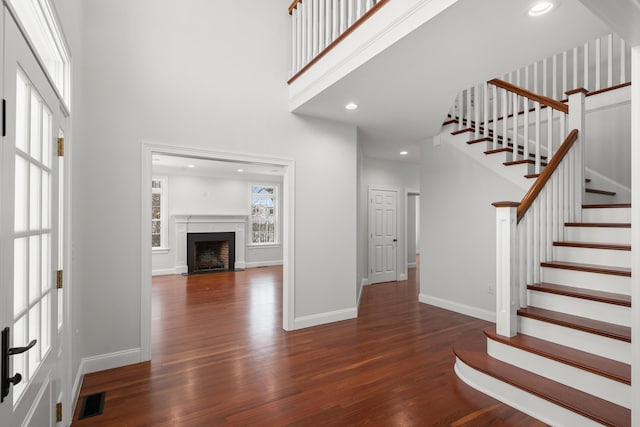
561,347
570,360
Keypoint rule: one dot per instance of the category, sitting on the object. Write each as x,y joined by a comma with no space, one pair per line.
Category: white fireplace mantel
209,224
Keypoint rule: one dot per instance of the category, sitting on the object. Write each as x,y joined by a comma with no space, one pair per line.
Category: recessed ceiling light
351,106
540,8
404,153
191,166
240,170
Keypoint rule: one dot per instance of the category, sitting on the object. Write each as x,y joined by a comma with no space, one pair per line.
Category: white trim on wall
324,318
288,223
468,310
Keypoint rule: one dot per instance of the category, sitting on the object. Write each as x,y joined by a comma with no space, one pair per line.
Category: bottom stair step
471,350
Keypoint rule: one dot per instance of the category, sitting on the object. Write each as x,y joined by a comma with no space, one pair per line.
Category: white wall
412,228
207,195
457,222
396,174
207,75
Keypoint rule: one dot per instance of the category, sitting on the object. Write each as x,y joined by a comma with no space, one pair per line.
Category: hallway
220,357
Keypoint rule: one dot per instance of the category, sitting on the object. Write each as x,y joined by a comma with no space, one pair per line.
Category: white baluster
535,77
294,41
544,77
610,60
515,126
302,8
535,208
537,134
344,15
495,117
565,72
623,61
527,82
314,28
575,68
485,101
335,19
468,113
460,104
576,120
351,11
525,142
505,118
550,150
586,66
507,292
476,110
522,261
554,76
529,242
598,62
360,8
322,23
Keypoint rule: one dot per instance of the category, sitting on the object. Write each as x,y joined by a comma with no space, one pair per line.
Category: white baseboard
163,272
182,269
411,265
365,281
468,310
362,285
110,360
402,277
240,265
256,264
323,318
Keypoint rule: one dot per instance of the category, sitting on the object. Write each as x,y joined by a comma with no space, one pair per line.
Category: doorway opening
234,221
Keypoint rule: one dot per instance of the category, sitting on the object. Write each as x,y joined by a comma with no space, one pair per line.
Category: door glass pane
46,203
21,194
34,333
20,360
22,97
34,268
36,127
46,136
46,263
19,276
45,328
35,213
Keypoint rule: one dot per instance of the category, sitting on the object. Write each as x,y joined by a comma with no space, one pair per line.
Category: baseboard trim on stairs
519,399
468,310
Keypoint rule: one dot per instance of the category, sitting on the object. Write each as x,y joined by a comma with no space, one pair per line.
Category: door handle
6,380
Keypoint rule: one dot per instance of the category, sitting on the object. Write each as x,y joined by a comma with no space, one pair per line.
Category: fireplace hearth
210,252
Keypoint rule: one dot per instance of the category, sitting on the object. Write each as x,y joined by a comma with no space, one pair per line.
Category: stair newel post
507,284
575,120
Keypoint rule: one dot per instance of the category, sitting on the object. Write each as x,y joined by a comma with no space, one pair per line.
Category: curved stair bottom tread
471,350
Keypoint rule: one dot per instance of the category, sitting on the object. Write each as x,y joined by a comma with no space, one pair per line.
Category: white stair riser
591,343
604,312
583,279
610,257
606,215
515,397
596,385
598,235
597,199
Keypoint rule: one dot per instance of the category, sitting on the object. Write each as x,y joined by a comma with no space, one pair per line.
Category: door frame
407,194
287,223
399,275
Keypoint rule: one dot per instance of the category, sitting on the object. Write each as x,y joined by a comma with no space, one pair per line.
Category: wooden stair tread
598,365
599,224
519,162
509,150
532,175
472,350
588,294
607,205
597,327
596,191
591,268
590,245
448,122
475,141
458,132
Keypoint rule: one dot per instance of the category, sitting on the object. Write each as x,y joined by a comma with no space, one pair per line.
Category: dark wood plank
591,245
475,141
610,330
591,268
596,191
598,365
220,357
588,294
461,131
599,224
607,205
472,351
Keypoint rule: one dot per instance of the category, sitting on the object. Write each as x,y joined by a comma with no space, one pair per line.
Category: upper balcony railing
319,25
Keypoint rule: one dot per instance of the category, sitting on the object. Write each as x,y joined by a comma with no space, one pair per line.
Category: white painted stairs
569,364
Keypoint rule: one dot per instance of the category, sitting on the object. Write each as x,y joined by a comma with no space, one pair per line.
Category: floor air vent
92,405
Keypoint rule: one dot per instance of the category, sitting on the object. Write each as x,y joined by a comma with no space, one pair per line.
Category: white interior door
29,235
383,235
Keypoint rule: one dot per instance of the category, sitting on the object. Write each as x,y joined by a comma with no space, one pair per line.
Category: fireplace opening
210,252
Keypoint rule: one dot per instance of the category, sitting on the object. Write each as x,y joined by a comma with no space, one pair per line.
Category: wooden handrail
294,5
537,186
543,100
368,14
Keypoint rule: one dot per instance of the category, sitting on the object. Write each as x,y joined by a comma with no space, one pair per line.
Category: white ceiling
405,92
178,165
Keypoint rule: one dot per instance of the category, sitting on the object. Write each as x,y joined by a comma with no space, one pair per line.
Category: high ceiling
405,92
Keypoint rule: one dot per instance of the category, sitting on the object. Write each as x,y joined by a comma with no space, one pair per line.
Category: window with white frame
159,215
263,220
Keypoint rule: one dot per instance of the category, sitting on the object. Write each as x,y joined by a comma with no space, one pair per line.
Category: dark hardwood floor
220,357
